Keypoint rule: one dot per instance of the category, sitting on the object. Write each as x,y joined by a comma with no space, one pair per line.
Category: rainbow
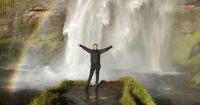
12,82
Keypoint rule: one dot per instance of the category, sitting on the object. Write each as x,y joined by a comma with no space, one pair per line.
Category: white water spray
137,29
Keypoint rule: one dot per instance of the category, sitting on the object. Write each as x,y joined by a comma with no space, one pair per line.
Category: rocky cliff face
5,24
186,37
12,13
187,19
19,18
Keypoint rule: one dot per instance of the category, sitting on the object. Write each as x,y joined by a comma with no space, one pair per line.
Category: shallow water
79,96
172,88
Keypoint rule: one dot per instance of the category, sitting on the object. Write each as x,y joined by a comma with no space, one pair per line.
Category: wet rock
196,104
108,93
112,85
195,51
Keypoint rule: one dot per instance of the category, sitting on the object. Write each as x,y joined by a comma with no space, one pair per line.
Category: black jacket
95,54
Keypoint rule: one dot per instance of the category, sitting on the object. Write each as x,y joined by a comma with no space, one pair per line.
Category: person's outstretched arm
105,49
85,48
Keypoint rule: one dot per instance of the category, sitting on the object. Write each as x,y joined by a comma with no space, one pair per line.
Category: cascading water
138,30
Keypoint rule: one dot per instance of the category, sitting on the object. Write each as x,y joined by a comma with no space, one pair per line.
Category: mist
139,31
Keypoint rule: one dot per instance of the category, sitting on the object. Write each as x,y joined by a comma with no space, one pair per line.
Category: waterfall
137,29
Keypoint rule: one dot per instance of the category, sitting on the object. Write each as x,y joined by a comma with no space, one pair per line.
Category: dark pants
94,67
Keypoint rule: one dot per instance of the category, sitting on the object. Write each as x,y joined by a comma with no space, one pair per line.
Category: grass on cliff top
131,90
182,47
52,96
134,90
196,80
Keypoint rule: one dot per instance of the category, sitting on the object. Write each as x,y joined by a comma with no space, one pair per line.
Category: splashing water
138,30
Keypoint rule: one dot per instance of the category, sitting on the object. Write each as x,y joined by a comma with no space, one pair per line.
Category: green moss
80,82
33,4
52,96
182,47
5,6
196,80
50,41
10,41
2,55
11,6
65,85
47,98
127,98
132,90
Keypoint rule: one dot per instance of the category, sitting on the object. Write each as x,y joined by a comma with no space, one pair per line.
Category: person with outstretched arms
95,61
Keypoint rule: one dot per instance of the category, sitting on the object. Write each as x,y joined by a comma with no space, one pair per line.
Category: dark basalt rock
108,93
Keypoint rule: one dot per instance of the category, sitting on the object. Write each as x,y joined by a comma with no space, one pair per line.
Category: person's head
95,46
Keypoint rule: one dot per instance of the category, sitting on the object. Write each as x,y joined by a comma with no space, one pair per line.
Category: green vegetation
6,6
10,41
10,6
182,47
50,40
47,98
53,96
45,45
48,45
132,90
65,85
33,4
196,80
2,55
